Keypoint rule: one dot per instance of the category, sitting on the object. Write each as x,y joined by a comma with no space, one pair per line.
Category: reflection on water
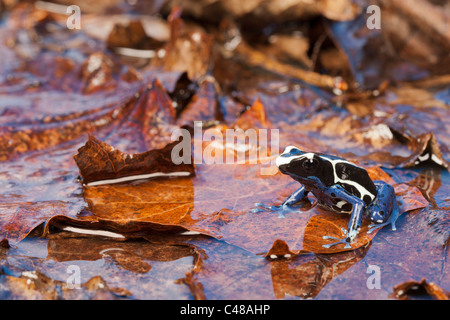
142,269
429,182
307,275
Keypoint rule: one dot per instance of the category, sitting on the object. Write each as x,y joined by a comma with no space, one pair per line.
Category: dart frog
339,186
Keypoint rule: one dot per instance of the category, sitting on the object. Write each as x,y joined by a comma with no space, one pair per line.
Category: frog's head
305,167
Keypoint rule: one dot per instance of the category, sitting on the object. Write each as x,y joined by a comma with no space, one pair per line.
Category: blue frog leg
295,197
354,224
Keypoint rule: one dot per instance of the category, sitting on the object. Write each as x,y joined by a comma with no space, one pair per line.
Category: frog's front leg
354,224
384,209
295,197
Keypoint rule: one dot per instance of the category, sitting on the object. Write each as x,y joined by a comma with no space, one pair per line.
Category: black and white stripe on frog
351,177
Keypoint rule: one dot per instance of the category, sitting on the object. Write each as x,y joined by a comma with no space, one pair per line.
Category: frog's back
352,178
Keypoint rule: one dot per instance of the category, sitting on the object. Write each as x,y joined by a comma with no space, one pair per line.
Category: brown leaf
254,117
425,148
187,51
132,35
409,289
279,249
301,277
257,13
331,224
203,106
99,162
34,285
41,126
19,219
158,201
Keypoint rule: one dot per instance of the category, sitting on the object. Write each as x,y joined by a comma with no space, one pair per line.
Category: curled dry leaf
99,163
203,106
253,117
132,35
409,289
280,249
425,149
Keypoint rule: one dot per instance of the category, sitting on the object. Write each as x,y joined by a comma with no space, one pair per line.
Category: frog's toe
375,226
391,221
345,241
260,207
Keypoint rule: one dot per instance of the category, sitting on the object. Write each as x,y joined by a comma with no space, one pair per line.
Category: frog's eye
310,164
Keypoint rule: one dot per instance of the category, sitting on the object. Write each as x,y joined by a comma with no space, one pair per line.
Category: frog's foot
346,240
281,209
391,221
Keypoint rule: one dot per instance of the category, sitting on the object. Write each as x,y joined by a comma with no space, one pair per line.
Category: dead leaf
408,290
306,275
100,163
34,285
280,249
132,35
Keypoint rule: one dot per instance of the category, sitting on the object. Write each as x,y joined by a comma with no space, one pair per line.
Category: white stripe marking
189,233
286,160
145,54
94,232
436,159
139,177
341,203
363,191
424,157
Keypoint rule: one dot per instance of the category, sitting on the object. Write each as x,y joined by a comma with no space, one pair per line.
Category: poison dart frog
339,186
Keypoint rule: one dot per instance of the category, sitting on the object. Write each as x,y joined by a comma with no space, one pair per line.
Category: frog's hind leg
384,209
355,219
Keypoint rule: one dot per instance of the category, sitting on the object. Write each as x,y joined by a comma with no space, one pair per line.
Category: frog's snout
282,163
283,168
283,160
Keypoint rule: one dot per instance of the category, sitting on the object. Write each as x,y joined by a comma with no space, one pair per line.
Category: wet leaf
34,285
280,249
100,163
132,35
302,278
410,289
